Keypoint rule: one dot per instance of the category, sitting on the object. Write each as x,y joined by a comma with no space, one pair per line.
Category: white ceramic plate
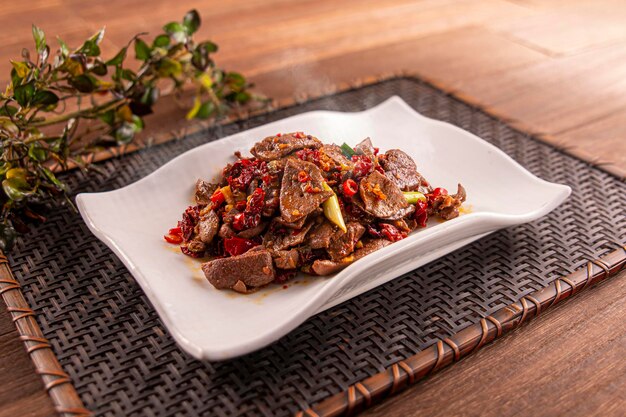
216,325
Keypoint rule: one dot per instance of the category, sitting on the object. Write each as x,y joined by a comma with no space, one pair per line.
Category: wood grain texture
575,368
557,68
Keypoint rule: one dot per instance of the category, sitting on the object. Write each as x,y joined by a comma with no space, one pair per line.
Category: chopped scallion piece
332,210
413,197
347,150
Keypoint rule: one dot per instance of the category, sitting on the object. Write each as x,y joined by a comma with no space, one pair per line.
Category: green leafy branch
48,97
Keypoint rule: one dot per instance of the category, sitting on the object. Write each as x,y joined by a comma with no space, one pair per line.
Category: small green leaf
74,65
242,97
118,58
53,179
45,98
137,123
90,48
16,188
21,69
97,37
99,67
176,31
191,22
128,75
15,79
84,83
173,27
65,50
108,117
37,153
125,133
8,110
24,93
40,39
207,109
142,50
208,46
161,41
168,67
235,81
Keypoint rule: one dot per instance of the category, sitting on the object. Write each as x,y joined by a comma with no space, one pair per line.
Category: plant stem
80,113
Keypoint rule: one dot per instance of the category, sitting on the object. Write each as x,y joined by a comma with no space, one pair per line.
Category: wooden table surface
553,67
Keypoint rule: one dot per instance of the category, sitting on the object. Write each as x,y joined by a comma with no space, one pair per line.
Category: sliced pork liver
204,191
327,267
253,268
276,239
342,244
295,201
208,226
382,198
402,171
276,147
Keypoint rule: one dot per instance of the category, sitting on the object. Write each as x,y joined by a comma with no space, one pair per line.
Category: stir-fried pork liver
342,243
328,267
302,190
382,198
208,227
402,171
300,205
254,268
276,147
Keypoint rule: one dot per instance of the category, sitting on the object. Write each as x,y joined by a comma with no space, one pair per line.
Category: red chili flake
279,135
238,245
362,165
309,155
242,172
251,216
437,192
189,221
174,239
303,176
298,135
312,190
376,150
175,231
350,187
421,213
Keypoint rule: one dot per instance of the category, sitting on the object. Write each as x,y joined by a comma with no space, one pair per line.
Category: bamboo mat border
363,394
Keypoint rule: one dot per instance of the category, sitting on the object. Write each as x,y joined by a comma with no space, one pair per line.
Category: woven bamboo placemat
117,358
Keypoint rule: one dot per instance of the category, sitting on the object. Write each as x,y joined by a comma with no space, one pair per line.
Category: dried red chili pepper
242,172
174,239
421,213
238,245
190,218
350,187
437,192
309,155
362,165
386,231
251,216
217,198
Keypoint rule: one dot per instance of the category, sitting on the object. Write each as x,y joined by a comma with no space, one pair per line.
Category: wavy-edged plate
217,325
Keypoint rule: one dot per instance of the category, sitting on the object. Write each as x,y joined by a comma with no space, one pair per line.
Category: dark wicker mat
122,361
